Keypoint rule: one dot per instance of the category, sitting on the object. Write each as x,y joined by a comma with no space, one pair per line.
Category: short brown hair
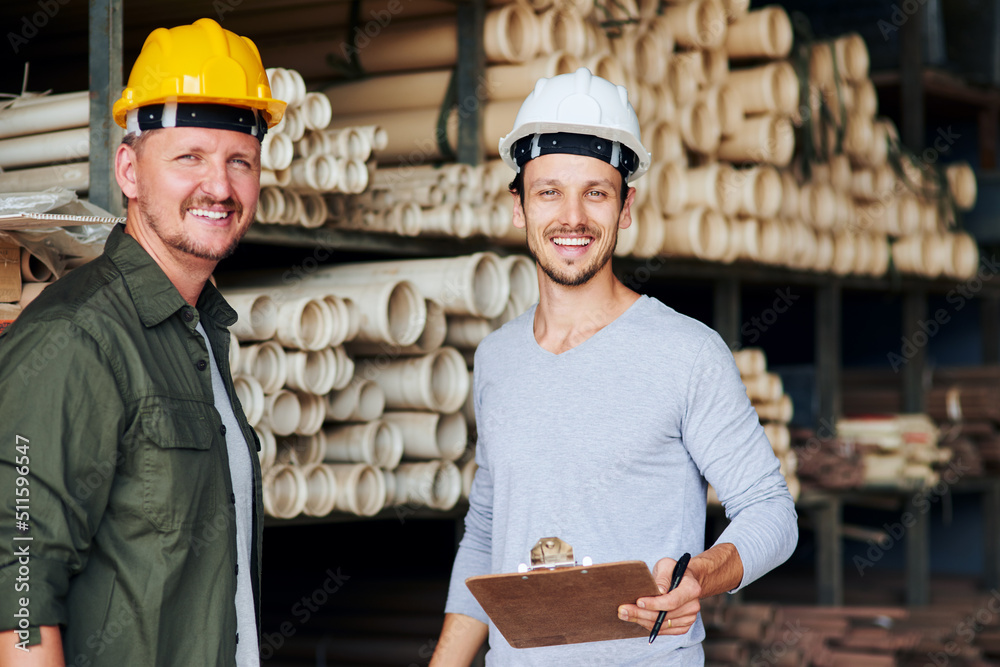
136,141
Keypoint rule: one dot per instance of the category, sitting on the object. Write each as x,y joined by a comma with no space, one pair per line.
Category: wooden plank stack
827,463
887,450
958,632
963,401
896,449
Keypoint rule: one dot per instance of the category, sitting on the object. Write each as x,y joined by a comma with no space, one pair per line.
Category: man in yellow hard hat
130,489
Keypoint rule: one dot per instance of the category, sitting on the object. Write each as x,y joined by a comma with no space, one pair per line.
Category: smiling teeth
213,215
573,241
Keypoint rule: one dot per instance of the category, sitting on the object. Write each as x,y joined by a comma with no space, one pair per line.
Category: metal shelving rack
105,65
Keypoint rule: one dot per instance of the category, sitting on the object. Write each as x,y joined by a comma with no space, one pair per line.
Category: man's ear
625,218
125,166
518,210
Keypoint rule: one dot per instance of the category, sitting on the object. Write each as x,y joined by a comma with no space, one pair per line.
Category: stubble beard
179,241
573,280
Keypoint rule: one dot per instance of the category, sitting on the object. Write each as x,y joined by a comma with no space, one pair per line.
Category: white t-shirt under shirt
241,472
608,446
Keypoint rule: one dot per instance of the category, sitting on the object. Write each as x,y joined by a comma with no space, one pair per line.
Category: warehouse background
343,589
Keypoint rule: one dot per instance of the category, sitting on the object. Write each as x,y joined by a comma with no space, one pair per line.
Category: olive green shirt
107,413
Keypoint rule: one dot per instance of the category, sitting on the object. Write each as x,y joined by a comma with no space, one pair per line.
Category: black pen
675,581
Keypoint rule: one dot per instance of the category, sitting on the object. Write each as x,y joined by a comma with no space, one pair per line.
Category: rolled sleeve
59,401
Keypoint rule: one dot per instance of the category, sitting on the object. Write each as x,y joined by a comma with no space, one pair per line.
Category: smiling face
572,213
196,190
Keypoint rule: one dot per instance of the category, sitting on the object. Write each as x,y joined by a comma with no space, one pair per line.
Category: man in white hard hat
601,413
128,467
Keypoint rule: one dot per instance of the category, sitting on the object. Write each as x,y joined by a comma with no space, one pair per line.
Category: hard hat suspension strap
616,154
212,116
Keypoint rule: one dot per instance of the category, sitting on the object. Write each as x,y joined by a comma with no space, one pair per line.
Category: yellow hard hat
201,63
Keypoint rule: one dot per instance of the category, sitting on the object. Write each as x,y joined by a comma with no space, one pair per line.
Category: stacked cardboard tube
44,142
774,408
350,382
302,159
718,99
869,192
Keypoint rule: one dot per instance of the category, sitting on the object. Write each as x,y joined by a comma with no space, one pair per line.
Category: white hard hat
578,104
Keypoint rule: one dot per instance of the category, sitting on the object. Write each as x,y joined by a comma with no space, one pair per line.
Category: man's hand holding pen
681,604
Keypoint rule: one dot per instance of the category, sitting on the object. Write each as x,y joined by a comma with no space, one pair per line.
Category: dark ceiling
51,35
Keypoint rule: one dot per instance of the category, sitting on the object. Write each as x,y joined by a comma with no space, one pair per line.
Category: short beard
570,280
182,243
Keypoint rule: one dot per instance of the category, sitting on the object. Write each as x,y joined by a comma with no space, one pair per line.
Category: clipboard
551,603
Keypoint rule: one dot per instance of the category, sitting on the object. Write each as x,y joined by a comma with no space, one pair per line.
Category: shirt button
237,638
187,315
201,365
232,498
237,569
222,429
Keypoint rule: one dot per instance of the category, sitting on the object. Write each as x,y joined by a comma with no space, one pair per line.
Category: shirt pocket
181,464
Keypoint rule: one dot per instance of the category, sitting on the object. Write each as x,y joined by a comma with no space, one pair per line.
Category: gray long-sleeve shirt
609,446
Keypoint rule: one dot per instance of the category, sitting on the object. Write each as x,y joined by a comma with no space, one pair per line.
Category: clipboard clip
550,553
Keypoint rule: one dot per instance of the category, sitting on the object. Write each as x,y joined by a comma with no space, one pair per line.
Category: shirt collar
154,296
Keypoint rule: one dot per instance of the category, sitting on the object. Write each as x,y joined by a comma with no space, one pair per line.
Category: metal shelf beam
329,238
105,53
828,355
469,74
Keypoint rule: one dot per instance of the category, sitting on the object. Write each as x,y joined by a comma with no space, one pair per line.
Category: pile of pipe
45,142
35,275
301,159
774,409
356,378
453,200
718,95
871,192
